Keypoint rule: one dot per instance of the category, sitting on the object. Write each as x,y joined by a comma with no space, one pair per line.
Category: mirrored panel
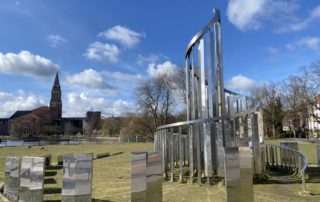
77,177
11,185
232,173
246,173
154,177
138,176
31,179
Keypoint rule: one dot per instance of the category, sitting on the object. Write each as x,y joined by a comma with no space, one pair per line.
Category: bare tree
269,96
154,97
294,103
179,82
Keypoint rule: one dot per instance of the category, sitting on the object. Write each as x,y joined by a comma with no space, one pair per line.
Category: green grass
111,177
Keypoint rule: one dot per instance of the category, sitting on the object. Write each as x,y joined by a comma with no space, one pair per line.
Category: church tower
55,101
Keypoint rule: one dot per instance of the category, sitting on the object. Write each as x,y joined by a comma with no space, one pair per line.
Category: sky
102,49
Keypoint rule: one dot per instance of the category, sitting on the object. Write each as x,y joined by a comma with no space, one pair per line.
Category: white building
314,116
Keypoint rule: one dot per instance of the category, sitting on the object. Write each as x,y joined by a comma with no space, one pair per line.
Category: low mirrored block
139,176
219,150
31,179
232,174
11,184
77,177
246,173
318,154
154,177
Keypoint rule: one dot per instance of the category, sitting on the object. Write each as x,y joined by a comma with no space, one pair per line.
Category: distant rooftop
19,113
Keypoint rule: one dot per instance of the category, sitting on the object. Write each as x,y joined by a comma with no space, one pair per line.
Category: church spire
56,80
55,101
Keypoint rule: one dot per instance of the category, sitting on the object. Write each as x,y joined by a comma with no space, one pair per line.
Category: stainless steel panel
77,177
232,174
246,173
12,174
154,179
31,179
138,176
219,149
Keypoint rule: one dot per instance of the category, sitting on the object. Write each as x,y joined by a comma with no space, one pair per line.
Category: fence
287,158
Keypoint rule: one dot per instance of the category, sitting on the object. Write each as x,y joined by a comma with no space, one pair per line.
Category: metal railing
288,158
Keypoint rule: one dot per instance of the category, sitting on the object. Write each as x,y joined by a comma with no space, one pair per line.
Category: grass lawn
111,177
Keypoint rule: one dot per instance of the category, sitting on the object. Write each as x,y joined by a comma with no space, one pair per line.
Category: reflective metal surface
138,176
246,173
218,120
289,159
154,177
12,174
232,173
31,179
77,177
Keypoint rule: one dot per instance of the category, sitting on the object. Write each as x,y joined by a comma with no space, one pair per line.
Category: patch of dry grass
111,177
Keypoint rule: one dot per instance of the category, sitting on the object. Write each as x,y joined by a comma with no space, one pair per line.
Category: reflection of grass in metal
309,149
111,177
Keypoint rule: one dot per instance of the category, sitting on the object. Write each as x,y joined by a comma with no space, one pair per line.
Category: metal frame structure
219,121
221,136
287,158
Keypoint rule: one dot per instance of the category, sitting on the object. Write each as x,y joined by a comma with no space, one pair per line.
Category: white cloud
251,14
166,68
77,104
299,25
123,35
241,84
56,40
119,76
312,43
89,78
103,52
245,14
26,63
11,102
151,58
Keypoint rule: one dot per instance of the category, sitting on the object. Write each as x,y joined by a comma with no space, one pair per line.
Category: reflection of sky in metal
138,172
32,172
77,174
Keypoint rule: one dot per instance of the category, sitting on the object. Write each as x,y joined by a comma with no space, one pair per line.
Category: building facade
48,120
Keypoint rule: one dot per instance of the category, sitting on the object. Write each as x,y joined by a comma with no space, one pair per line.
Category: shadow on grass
54,167
50,181
52,190
50,173
100,200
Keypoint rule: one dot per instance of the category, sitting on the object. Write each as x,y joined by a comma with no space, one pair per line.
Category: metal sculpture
77,177
219,121
146,177
12,180
31,179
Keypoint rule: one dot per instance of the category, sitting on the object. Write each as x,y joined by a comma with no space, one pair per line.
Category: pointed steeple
55,101
56,80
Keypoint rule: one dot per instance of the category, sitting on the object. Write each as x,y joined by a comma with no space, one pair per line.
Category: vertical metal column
205,110
180,155
171,155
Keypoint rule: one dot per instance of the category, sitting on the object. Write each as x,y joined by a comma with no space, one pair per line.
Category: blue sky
103,48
